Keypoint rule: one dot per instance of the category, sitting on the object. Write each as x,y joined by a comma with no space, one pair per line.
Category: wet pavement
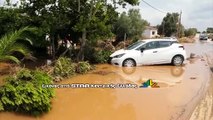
180,91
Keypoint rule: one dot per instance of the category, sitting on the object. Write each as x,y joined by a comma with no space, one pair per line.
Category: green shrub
83,67
1,106
102,56
24,93
64,67
89,54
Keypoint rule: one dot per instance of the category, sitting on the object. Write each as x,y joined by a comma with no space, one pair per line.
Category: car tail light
182,47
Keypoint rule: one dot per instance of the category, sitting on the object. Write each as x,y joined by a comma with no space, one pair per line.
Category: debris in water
211,68
202,59
57,79
193,78
192,55
104,67
102,72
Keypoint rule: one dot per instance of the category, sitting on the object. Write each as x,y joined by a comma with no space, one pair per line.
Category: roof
151,28
160,39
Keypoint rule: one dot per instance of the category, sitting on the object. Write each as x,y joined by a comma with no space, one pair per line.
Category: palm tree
9,44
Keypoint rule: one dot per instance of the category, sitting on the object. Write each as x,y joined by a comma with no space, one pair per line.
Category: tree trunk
53,46
80,56
79,5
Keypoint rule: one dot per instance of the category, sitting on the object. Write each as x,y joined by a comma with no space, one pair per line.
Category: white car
150,51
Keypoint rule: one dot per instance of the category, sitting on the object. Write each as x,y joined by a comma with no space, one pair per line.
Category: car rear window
164,43
174,42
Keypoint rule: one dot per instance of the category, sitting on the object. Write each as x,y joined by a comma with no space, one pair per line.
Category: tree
169,25
137,24
9,44
85,19
50,16
10,20
122,26
132,25
209,30
89,17
190,32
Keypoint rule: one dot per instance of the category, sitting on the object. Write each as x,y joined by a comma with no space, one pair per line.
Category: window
134,45
164,43
153,32
156,44
150,45
174,42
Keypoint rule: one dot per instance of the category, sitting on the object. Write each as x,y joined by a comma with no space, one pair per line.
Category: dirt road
183,92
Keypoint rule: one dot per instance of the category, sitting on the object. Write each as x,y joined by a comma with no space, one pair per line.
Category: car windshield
134,45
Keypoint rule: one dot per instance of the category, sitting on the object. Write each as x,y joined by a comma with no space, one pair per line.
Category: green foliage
89,53
190,32
10,20
83,67
1,106
98,55
102,56
137,24
132,25
24,93
64,67
9,45
122,26
209,30
169,25
132,2
85,20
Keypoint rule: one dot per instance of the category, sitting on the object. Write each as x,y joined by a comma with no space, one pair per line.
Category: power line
153,7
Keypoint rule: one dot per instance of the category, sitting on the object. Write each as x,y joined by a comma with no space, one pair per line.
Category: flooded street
180,92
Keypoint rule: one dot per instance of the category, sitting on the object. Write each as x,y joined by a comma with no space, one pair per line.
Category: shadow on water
164,74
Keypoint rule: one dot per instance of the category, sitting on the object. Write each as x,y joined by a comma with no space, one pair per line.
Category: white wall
148,33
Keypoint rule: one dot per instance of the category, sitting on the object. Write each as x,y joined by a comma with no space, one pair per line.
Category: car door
162,52
147,56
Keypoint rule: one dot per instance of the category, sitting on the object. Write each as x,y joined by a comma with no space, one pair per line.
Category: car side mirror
142,49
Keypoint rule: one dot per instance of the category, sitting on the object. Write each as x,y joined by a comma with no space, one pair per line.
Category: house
150,32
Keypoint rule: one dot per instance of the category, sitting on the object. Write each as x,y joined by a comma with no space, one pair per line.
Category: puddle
174,100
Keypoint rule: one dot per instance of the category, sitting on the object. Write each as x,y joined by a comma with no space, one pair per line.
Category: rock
192,55
202,60
211,68
193,78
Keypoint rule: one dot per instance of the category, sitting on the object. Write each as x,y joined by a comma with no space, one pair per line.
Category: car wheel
177,60
129,63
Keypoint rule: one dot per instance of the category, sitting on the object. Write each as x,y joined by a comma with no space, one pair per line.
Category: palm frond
9,58
8,43
18,47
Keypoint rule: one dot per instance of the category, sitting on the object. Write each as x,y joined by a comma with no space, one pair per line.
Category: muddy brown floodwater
181,91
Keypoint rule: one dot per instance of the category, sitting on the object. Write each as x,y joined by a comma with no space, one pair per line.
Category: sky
195,13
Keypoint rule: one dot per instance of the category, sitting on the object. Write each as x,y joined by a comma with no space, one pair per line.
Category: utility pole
179,25
124,40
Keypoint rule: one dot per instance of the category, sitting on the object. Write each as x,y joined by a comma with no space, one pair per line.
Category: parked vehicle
203,37
150,51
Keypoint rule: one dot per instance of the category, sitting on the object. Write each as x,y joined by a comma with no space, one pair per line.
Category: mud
4,70
204,110
176,98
